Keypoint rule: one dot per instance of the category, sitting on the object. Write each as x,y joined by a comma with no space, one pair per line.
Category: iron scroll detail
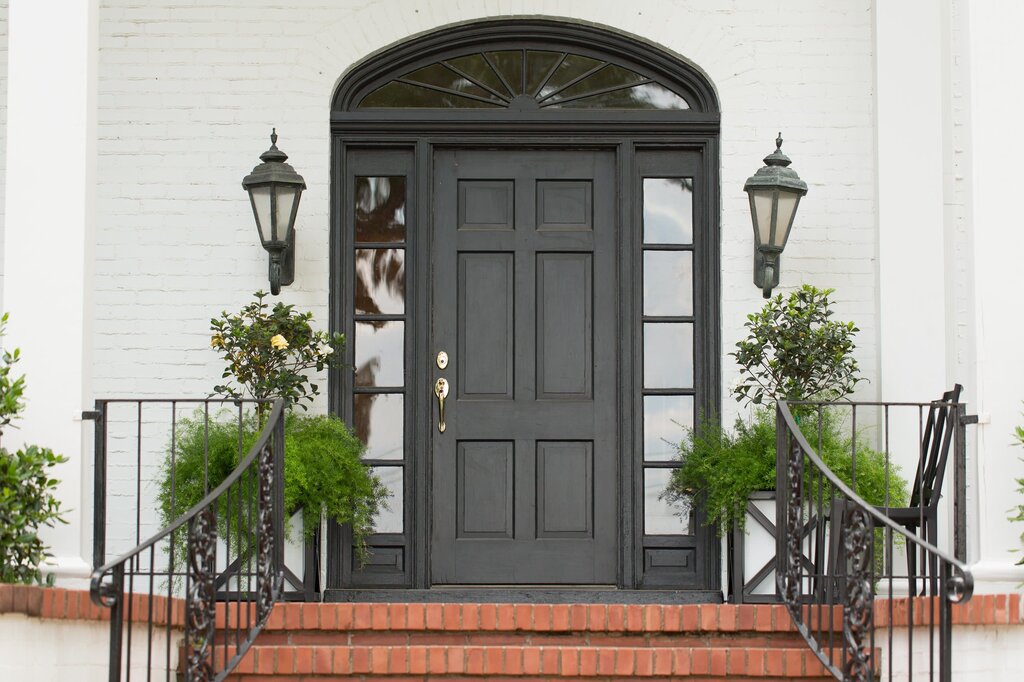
794,551
265,547
857,616
201,604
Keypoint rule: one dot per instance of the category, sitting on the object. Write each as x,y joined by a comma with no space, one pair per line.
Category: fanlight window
533,78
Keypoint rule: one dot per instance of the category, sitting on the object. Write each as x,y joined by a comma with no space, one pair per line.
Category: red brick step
528,641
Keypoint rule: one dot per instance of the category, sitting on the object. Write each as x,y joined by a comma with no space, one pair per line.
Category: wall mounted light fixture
274,189
774,191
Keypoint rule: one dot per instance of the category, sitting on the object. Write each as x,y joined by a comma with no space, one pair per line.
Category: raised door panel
485,320
565,335
485,473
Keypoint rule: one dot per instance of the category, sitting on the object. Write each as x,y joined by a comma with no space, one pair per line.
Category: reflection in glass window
391,519
668,210
380,281
660,517
380,353
552,79
668,355
380,209
378,421
666,418
668,283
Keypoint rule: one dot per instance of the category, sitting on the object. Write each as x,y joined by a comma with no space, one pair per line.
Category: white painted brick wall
187,95
3,137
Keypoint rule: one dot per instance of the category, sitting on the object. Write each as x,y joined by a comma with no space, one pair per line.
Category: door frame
420,132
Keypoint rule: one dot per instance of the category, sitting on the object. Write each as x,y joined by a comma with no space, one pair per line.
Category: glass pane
660,517
646,96
285,201
400,95
509,64
391,520
665,418
668,283
260,197
479,70
442,76
380,350
668,355
380,209
787,207
574,66
380,281
379,422
538,66
763,213
668,210
608,77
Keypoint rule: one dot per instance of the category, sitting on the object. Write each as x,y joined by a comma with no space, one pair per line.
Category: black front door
523,301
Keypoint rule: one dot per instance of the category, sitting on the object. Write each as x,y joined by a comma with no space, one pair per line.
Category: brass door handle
441,391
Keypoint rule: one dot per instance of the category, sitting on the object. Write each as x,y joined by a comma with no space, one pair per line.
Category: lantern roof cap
776,173
273,169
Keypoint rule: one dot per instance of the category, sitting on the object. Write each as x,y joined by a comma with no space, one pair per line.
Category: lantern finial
273,138
778,142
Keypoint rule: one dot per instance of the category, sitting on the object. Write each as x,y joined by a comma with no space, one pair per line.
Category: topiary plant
795,351
27,502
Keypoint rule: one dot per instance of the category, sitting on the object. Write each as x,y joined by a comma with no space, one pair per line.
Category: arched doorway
538,201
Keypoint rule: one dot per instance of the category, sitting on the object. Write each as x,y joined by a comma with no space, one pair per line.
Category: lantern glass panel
761,202
287,197
786,210
260,197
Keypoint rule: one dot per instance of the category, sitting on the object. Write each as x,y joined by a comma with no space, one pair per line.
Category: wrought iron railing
189,601
865,584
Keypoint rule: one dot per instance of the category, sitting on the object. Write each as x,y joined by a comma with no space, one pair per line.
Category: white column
48,242
997,150
909,42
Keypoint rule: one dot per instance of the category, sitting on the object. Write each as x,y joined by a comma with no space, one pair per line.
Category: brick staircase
467,641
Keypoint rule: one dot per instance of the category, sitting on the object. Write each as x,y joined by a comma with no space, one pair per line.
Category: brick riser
527,641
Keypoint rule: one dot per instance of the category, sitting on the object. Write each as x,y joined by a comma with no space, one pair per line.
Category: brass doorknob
441,391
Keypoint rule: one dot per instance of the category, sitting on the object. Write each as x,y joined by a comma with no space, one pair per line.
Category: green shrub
27,502
723,468
322,471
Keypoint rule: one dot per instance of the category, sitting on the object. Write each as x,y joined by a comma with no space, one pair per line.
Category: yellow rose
216,341
278,342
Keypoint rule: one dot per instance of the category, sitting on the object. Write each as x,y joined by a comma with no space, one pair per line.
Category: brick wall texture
188,93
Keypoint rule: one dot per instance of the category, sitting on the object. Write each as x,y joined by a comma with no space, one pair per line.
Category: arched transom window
524,79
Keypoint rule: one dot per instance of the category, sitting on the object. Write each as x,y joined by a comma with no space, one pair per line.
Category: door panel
524,479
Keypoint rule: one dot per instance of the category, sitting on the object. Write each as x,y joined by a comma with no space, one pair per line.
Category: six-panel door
523,298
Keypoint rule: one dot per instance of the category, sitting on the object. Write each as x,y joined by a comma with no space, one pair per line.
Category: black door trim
420,131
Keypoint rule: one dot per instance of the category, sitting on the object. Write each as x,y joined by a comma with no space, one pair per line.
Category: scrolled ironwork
794,530
857,614
265,548
200,607
858,573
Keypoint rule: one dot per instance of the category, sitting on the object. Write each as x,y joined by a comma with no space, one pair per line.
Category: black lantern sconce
274,189
775,192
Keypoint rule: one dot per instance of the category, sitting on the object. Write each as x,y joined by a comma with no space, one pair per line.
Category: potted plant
267,351
793,351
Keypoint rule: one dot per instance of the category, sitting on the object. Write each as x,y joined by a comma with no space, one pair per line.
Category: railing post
116,593
960,484
945,625
99,483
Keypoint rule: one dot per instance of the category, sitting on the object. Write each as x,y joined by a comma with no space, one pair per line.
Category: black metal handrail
835,549
248,507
